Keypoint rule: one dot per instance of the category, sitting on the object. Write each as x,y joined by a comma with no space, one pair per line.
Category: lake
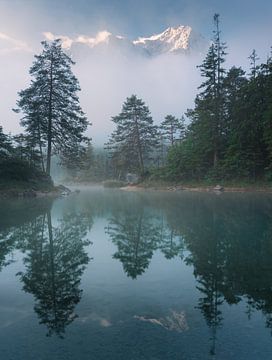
108,274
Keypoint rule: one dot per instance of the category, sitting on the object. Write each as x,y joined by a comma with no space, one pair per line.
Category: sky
167,85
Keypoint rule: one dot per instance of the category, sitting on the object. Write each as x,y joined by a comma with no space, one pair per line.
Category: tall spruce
52,117
134,138
212,90
203,147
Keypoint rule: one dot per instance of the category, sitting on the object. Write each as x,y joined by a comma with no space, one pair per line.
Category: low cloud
8,44
67,42
166,83
108,75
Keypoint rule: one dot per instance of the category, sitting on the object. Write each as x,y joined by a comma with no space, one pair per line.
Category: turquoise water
108,274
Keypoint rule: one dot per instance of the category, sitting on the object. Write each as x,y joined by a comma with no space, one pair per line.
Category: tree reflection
15,215
227,240
208,258
54,263
171,244
230,247
136,237
6,247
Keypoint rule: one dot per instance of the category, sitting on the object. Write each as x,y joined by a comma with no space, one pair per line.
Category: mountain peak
173,39
179,39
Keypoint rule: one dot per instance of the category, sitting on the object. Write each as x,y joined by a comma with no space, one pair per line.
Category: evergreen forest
226,136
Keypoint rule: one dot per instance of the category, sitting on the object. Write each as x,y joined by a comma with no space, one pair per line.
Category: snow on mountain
171,40
180,39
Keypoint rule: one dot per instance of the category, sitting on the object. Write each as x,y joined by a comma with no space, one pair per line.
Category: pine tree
253,63
52,113
204,144
135,136
172,128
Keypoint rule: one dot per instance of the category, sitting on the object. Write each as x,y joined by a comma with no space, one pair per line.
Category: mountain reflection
230,245
228,241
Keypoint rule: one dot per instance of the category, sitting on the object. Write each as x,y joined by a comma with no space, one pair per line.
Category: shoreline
210,189
30,193
168,187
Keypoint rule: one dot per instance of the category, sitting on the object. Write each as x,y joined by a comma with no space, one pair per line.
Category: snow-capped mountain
172,40
180,39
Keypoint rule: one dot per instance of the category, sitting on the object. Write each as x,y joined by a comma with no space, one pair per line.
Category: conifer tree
52,113
135,136
253,57
211,99
172,128
203,146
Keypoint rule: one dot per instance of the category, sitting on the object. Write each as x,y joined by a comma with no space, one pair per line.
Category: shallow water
108,274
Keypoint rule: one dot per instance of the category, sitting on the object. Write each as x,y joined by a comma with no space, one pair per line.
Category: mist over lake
109,273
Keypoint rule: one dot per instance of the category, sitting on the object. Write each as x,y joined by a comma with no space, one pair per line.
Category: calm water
113,275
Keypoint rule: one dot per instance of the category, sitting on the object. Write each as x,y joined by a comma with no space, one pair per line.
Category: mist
167,84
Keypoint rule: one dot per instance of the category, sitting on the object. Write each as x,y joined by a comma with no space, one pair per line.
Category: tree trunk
40,147
172,134
218,96
139,145
49,130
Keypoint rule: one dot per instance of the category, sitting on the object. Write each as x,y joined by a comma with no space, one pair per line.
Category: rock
132,178
218,188
63,190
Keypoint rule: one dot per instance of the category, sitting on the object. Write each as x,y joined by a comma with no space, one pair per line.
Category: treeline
228,133
230,130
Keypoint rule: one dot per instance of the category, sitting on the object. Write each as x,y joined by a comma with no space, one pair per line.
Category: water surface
108,274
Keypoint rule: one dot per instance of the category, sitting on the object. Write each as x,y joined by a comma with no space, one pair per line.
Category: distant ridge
180,39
